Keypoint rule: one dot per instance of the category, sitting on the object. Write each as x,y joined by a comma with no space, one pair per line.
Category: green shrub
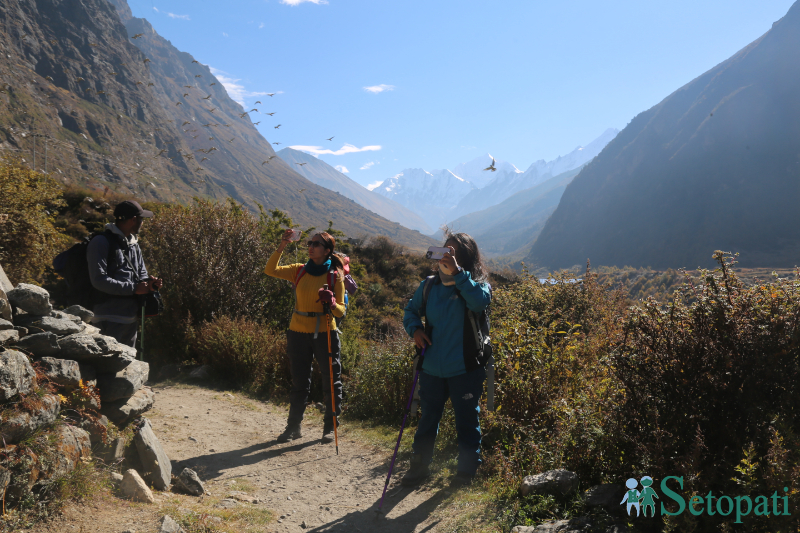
28,236
243,352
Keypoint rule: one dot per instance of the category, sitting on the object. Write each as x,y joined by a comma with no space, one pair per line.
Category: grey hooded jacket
116,276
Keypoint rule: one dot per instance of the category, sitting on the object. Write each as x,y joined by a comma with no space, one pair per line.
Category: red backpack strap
332,279
300,274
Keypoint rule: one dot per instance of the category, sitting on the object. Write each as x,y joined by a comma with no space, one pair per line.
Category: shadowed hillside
715,165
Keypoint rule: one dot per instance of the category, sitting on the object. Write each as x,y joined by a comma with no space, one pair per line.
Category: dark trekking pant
302,349
464,392
124,333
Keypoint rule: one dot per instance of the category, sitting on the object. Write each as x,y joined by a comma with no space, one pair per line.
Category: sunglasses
315,243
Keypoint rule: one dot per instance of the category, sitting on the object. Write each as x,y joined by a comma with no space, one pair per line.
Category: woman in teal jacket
451,367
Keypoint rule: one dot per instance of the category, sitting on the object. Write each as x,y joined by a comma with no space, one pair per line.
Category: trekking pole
327,309
142,339
402,427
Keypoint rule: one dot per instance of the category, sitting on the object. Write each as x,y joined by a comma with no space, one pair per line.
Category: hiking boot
327,432
462,479
418,473
290,433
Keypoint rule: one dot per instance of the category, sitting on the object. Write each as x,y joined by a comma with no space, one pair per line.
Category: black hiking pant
302,349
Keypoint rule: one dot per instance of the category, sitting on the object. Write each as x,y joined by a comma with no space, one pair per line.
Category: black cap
129,209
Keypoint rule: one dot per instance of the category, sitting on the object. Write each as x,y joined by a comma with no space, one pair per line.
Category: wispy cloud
346,149
260,25
374,89
235,90
224,34
373,186
171,15
342,169
367,166
298,2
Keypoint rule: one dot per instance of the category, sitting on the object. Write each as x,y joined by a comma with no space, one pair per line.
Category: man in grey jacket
118,274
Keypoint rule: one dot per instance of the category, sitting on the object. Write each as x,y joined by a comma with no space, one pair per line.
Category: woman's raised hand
287,236
448,262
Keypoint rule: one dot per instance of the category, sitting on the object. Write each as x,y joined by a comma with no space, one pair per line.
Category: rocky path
230,442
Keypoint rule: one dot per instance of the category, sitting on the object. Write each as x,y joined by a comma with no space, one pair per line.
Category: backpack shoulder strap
300,274
430,281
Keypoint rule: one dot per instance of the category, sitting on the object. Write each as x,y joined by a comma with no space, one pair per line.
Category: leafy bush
211,256
244,353
27,234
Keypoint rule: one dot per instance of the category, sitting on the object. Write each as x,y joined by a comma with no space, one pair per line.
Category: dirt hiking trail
229,441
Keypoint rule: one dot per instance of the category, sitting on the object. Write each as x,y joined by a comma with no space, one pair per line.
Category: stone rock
242,497
16,374
5,324
31,299
557,482
203,372
40,344
19,424
124,383
80,347
81,312
134,488
63,315
96,430
168,525
5,306
22,331
189,481
73,444
91,329
8,336
113,346
112,451
227,503
156,464
63,372
5,283
122,411
116,477
59,326
606,496
573,525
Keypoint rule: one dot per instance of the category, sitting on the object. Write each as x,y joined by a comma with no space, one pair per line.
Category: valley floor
300,486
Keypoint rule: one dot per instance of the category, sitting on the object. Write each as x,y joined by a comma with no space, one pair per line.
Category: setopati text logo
644,500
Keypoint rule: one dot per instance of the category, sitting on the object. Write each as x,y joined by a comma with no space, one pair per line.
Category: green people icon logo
640,499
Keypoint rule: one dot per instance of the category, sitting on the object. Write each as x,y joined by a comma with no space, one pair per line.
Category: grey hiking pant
124,333
302,349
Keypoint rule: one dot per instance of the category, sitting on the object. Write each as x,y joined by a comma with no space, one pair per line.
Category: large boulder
63,315
606,496
31,299
80,347
72,445
40,344
79,311
59,326
16,425
169,525
105,354
556,482
5,283
5,306
112,346
123,411
16,374
63,372
134,488
5,324
124,383
157,466
8,337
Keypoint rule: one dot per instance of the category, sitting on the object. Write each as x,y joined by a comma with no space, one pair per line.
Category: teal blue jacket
445,311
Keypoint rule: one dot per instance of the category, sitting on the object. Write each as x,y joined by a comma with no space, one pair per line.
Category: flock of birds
189,156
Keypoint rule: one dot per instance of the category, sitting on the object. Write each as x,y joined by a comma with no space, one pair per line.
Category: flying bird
270,114
150,84
258,101
276,143
491,167
79,79
207,97
204,159
139,83
278,126
185,95
231,140
161,152
189,86
146,60
178,103
212,110
270,94
262,163
243,114
210,84
93,44
301,190
185,122
198,75
254,109
195,61
256,123
300,165
331,138
138,35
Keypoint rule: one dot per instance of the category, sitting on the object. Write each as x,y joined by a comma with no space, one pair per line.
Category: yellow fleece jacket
307,295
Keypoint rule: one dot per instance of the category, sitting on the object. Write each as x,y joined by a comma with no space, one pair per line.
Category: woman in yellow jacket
307,335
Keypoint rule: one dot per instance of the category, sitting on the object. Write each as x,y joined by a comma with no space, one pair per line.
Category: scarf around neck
447,279
318,270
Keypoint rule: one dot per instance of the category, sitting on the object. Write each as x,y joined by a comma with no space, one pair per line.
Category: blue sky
430,84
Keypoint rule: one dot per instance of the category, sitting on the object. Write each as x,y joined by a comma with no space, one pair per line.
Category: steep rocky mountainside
326,176
102,109
715,165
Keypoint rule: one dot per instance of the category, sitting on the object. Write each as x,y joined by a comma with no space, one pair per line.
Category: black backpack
74,268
